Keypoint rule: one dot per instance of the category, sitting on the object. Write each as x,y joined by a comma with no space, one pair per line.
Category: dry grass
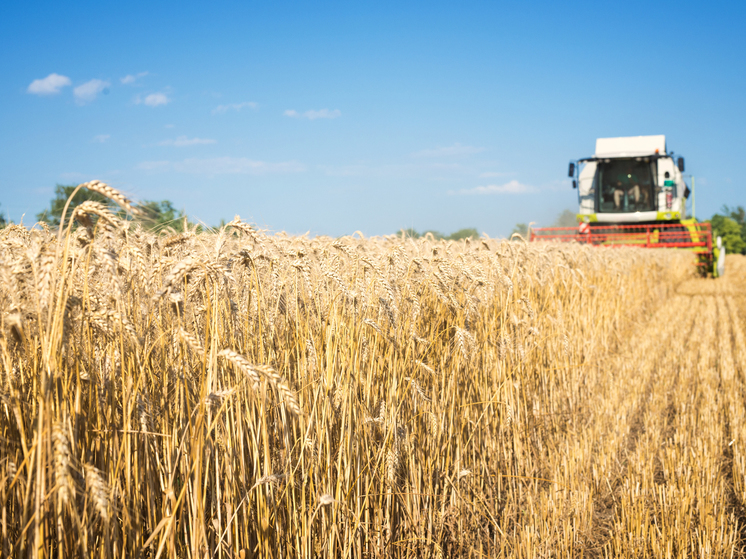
238,394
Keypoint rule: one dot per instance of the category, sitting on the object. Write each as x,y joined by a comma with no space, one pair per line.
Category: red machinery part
693,236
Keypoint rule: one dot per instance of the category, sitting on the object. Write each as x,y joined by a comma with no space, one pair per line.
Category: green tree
159,215
730,232
521,229
737,214
566,219
156,215
469,233
409,232
62,192
3,221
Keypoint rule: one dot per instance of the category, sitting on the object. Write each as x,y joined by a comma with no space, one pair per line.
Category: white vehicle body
631,180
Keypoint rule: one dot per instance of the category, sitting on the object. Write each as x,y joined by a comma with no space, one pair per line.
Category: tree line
729,223
730,226
468,233
156,215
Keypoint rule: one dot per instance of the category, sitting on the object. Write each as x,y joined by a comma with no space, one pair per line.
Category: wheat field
242,394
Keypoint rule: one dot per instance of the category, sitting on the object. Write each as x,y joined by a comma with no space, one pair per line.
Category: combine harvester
631,193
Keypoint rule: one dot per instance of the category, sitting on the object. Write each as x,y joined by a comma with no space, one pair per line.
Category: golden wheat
244,394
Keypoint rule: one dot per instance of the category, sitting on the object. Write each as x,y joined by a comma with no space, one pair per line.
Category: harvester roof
629,146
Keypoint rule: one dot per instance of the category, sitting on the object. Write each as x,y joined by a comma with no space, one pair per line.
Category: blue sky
336,117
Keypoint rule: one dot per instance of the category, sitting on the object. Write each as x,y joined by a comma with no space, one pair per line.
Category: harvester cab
631,180
631,192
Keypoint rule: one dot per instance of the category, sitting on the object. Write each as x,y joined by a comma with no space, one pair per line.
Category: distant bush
567,218
62,192
520,229
160,215
468,233
730,232
731,227
156,215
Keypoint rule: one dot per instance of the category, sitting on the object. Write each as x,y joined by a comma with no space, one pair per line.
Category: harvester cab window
626,185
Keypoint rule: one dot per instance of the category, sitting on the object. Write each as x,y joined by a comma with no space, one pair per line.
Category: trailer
632,192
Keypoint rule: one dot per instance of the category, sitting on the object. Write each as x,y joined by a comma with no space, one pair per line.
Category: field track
652,463
663,437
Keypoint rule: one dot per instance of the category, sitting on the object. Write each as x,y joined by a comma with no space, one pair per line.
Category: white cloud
420,170
183,141
50,85
223,166
168,126
492,175
74,175
220,109
101,138
89,91
444,166
512,187
313,115
323,113
346,170
153,100
236,165
153,165
561,185
450,151
130,78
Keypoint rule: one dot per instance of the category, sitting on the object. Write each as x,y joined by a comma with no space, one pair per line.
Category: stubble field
240,394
